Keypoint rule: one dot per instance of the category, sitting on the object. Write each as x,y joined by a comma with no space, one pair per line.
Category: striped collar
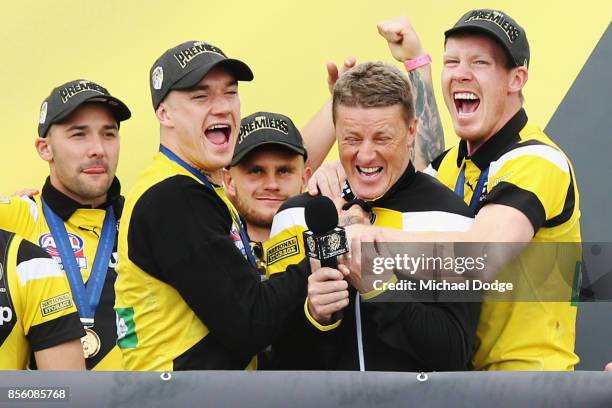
65,206
492,148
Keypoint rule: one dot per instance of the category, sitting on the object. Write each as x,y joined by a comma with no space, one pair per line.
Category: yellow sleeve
19,215
534,178
286,244
284,249
46,309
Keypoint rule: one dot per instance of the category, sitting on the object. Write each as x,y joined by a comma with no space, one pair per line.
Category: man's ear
518,79
412,131
228,185
44,149
306,176
164,115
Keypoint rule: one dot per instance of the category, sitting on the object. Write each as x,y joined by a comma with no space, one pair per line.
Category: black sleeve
523,200
55,332
180,233
439,335
301,346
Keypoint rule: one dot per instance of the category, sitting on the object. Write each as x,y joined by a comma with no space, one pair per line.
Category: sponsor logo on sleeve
282,250
55,304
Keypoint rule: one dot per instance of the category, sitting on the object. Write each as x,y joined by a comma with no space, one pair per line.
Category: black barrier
306,389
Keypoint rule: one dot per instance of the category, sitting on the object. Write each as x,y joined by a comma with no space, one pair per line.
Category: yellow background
286,43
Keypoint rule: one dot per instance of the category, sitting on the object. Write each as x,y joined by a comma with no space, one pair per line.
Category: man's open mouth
369,171
466,103
218,134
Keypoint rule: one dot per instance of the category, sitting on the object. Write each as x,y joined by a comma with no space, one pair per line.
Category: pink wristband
417,62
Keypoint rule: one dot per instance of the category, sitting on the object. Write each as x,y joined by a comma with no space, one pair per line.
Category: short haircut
374,85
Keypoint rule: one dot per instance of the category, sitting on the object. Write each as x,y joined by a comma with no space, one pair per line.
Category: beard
259,218
86,190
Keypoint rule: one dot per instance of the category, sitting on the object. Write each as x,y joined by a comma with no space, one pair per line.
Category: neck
472,146
169,144
509,112
215,177
258,233
93,202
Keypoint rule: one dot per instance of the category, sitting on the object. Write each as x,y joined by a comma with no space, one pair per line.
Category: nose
220,105
366,153
96,146
271,183
461,72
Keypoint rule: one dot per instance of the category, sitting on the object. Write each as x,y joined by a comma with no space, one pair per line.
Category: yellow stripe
317,324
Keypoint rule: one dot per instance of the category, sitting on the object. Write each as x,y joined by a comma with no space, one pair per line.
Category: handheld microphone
324,240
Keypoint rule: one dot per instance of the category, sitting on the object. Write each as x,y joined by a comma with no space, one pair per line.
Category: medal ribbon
85,297
459,186
243,236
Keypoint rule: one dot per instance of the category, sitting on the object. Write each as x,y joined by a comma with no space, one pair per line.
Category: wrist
417,62
319,319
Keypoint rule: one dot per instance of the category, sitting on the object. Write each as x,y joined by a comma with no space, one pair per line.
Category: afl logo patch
43,113
157,78
47,242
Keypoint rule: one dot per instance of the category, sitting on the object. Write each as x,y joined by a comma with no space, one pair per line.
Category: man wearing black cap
268,167
513,175
188,292
75,219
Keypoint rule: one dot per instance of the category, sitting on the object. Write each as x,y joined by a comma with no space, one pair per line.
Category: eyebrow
83,127
207,87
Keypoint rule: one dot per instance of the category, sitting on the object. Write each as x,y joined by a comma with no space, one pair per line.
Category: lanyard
243,237
479,186
85,297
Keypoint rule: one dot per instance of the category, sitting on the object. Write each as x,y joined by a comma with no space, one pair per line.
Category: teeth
465,95
217,127
369,170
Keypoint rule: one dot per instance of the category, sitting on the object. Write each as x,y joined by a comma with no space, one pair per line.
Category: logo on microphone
329,245
312,245
334,242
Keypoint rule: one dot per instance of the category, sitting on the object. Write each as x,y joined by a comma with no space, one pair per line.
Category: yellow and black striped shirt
187,299
529,172
36,306
25,217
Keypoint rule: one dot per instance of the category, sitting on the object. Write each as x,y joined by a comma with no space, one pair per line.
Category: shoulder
290,214
426,193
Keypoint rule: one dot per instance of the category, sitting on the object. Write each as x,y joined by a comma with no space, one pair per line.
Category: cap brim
239,69
240,156
490,31
119,110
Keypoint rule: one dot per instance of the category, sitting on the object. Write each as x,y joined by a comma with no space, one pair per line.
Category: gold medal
90,342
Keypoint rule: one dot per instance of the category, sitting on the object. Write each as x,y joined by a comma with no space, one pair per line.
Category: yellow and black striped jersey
187,299
416,336
25,217
530,173
36,307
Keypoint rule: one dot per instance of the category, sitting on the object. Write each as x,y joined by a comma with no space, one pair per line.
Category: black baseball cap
64,100
502,27
266,128
186,64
